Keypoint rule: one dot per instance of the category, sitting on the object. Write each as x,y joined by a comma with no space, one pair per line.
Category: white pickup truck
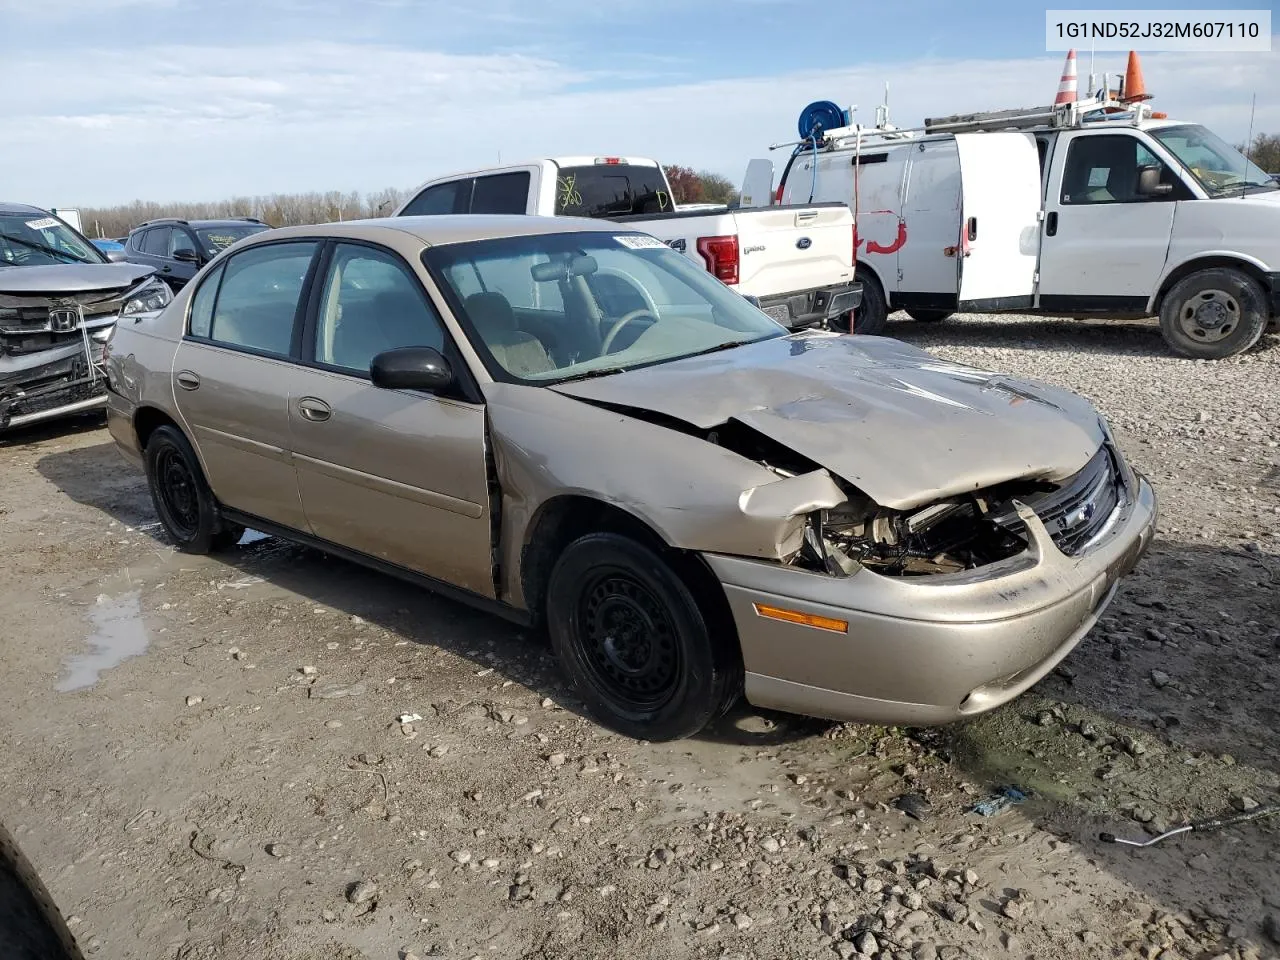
794,261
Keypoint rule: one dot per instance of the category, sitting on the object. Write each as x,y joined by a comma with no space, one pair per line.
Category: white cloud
206,122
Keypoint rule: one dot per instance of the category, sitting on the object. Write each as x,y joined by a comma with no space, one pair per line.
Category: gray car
569,424
60,297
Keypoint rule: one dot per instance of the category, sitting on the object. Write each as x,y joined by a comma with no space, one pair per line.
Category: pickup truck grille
1079,509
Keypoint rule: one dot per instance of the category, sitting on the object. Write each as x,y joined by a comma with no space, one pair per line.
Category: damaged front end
52,348
952,535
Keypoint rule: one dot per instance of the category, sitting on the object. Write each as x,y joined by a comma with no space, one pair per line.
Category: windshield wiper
51,251
717,348
587,375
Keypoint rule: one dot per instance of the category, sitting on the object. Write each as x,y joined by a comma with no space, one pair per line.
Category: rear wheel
929,316
182,497
1214,313
635,642
872,314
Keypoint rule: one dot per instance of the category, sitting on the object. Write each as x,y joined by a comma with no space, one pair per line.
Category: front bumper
53,383
808,307
928,650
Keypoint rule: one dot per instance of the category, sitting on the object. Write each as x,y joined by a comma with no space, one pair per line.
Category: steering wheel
636,285
622,322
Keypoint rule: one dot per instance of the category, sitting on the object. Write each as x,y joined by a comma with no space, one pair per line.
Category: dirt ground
275,754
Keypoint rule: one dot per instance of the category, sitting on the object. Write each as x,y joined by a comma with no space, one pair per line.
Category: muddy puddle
118,634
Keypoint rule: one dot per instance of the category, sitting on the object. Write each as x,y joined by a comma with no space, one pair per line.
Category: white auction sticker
1201,31
44,224
635,241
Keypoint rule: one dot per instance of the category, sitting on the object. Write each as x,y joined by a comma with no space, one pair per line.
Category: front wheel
182,497
635,643
1214,313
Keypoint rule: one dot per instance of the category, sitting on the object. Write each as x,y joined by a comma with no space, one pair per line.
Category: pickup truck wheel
632,638
1213,313
182,497
929,316
872,314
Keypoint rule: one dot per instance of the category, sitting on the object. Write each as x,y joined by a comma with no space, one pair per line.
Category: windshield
39,240
1221,169
611,190
554,307
216,239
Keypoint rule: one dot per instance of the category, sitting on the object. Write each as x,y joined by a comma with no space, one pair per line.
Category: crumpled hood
902,426
71,277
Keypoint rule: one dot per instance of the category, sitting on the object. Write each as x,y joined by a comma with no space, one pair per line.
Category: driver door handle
187,380
314,410
1051,223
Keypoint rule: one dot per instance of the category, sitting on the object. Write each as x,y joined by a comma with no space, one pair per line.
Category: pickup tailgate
789,249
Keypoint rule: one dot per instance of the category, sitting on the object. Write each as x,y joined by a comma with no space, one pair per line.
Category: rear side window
501,193
611,190
443,198
257,300
156,242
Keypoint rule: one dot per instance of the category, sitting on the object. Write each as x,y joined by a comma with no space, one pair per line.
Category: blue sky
179,99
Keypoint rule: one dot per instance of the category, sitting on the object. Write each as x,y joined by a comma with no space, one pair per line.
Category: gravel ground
279,755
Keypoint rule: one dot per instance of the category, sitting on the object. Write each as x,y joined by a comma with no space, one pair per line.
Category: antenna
1248,146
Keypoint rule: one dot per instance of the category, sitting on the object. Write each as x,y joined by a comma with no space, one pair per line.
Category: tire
872,315
929,316
182,497
690,674
1213,313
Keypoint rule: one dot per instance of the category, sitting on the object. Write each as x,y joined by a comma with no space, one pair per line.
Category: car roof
213,222
7,207
440,230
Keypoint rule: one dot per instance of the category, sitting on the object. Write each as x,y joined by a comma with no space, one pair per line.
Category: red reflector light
777,198
721,255
608,159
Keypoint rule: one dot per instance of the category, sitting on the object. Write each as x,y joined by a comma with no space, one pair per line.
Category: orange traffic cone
1067,85
1134,89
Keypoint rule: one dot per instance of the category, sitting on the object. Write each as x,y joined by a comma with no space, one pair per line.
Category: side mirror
116,256
411,368
186,255
1149,184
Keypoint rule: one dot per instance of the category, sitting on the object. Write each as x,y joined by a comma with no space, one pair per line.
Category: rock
491,863
1142,815
970,878
914,805
1160,679
872,885
275,850
332,691
557,759
333,724
1245,804
924,951
912,900
659,858
867,944
955,912
770,845
1011,909
742,921
437,751
328,916
308,671
362,891
461,856
1271,927
519,892
192,701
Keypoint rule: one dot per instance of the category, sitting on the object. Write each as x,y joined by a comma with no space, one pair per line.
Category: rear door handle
187,380
314,410
1051,223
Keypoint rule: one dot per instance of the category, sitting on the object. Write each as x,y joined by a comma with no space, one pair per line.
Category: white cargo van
1086,209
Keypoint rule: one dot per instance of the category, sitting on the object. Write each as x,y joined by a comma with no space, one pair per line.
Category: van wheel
1213,313
929,316
872,314
634,642
182,497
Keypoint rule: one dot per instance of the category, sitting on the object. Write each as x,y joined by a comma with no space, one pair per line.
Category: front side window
443,198
1220,168
371,303
611,190
1105,169
606,302
39,240
257,300
180,242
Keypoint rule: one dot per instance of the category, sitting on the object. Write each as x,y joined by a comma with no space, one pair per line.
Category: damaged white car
572,425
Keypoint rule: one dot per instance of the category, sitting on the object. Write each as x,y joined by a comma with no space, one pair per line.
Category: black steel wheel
634,641
181,495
